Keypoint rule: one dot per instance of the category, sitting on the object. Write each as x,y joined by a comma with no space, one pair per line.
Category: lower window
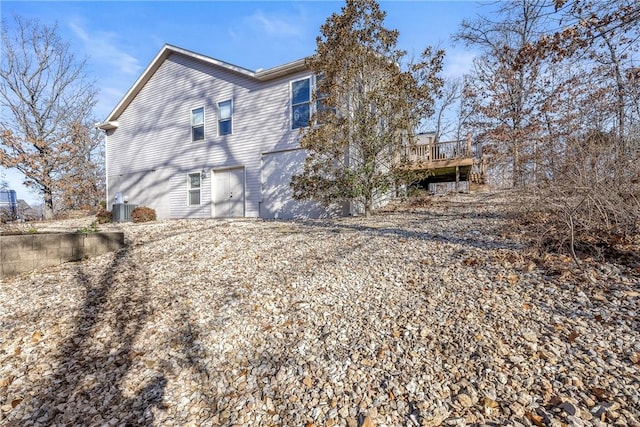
194,188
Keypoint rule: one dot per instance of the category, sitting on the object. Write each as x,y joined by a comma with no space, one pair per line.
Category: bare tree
500,88
46,103
602,37
589,199
444,120
369,105
83,183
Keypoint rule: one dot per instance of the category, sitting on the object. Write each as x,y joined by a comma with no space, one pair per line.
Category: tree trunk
368,201
48,203
516,168
620,90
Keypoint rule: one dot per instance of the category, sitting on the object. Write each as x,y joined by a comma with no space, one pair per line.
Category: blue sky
120,38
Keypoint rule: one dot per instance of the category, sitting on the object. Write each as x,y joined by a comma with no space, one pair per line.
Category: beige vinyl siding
179,197
143,188
277,197
154,133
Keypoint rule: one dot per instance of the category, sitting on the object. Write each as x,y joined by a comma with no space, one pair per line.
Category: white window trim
189,189
230,118
311,110
204,124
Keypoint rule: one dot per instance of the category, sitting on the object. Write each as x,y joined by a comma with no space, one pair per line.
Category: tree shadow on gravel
87,385
492,216
189,365
474,238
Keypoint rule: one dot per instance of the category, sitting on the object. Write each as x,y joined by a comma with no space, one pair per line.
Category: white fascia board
139,83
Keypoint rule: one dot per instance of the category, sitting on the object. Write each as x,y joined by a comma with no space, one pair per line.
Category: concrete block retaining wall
27,252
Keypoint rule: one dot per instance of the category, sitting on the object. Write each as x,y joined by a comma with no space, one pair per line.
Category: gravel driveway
427,316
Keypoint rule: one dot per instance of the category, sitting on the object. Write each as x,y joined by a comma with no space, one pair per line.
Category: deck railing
445,150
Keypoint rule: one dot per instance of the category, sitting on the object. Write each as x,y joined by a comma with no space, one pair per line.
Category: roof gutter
282,70
107,125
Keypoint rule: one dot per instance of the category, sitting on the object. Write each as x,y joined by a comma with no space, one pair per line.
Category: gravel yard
423,316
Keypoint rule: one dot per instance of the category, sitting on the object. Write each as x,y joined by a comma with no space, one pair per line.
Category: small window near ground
225,111
197,124
300,103
194,188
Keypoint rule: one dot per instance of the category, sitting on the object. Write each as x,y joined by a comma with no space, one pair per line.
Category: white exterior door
228,193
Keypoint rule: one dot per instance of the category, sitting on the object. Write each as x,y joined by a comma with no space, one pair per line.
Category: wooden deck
440,163
428,154
445,160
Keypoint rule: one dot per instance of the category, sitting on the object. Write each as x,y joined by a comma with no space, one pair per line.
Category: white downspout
106,173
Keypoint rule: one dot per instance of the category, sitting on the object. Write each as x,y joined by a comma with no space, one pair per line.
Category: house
12,208
8,205
197,137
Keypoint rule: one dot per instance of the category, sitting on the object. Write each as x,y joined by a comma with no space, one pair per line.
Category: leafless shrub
104,216
590,204
6,215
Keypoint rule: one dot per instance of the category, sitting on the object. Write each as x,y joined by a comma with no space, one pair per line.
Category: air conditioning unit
121,212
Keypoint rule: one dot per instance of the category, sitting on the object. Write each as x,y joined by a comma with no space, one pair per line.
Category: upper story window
300,103
194,183
225,112
197,124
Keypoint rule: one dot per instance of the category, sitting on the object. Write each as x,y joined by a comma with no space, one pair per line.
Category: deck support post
457,179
